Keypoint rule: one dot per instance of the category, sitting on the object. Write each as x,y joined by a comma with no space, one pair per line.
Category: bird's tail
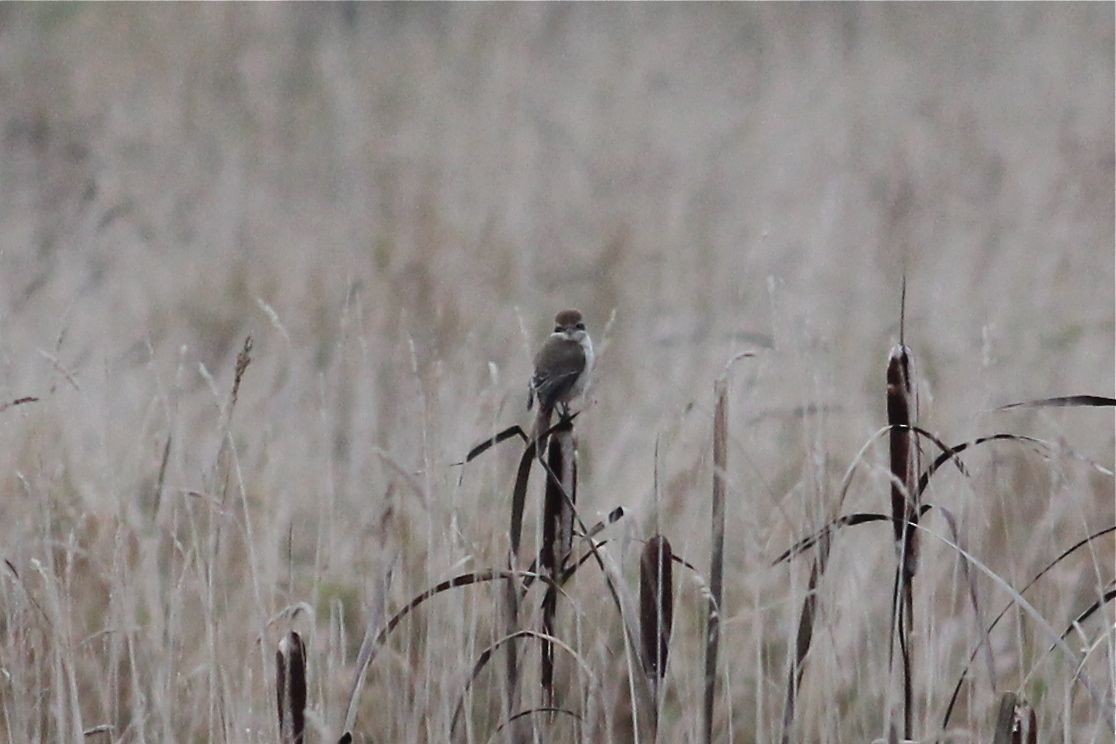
542,423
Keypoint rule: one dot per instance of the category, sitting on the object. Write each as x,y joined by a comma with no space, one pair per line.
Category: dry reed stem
713,622
557,539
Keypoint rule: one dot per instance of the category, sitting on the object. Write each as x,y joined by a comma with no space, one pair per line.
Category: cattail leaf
506,434
1066,401
848,520
548,710
1088,612
838,522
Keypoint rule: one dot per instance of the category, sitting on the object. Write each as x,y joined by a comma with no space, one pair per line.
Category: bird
562,370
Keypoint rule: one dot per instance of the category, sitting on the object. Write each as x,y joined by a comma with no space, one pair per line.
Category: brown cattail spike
656,604
901,410
290,685
900,401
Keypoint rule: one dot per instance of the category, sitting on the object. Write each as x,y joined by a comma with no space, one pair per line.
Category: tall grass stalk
717,554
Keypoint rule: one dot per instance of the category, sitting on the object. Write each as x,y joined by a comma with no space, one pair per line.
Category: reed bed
871,526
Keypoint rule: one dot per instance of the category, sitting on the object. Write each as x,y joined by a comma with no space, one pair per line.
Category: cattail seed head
290,685
656,604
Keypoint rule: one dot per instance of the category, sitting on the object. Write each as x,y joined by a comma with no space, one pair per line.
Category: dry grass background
393,201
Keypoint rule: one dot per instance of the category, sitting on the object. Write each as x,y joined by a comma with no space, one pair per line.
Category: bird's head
569,324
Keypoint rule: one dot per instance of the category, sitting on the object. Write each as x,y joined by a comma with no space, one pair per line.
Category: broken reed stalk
557,539
904,510
713,616
656,613
290,688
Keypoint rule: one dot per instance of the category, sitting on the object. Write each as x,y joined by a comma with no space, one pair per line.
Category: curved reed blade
290,688
948,454
486,655
1065,401
506,434
847,520
550,711
656,604
1087,613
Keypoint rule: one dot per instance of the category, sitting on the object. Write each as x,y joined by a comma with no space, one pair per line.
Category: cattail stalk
557,538
904,509
713,617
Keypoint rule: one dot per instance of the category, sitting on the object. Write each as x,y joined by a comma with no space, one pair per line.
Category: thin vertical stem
713,618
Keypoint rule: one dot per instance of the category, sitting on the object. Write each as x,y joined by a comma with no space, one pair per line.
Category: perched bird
562,369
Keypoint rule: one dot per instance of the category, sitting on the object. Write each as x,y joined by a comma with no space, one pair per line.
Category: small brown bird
562,369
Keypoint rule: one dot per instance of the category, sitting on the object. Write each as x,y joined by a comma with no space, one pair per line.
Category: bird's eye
557,329
580,326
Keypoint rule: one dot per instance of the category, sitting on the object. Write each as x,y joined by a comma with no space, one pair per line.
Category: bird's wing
557,366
